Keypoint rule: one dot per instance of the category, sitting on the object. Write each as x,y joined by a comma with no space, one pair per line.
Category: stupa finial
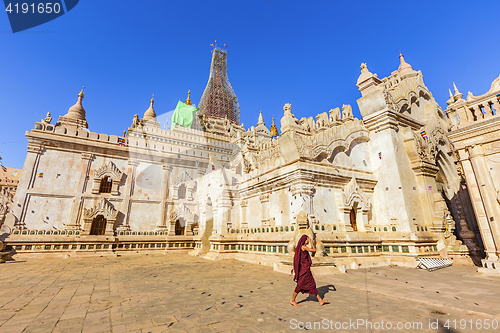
188,100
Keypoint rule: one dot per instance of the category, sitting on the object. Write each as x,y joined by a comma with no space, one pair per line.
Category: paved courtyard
177,292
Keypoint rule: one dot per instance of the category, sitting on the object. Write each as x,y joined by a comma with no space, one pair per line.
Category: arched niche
108,214
107,173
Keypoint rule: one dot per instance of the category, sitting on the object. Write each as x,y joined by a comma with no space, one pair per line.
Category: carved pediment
110,170
184,212
103,208
184,177
352,193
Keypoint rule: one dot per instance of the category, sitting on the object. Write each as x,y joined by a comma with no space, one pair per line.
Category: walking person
302,267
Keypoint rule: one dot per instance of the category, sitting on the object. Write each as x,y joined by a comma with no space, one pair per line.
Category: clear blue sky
306,53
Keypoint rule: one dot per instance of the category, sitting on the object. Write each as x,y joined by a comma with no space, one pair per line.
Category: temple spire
75,116
77,111
150,113
218,99
261,119
403,65
274,130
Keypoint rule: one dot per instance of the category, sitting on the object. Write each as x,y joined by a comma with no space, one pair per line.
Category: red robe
302,266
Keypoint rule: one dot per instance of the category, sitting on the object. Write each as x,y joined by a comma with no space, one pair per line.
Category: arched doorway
98,226
352,217
179,227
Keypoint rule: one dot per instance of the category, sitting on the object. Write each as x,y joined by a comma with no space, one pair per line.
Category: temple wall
359,154
60,170
143,215
148,181
254,212
395,201
325,207
47,212
280,207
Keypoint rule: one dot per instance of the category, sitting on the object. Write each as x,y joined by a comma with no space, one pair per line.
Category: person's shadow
322,291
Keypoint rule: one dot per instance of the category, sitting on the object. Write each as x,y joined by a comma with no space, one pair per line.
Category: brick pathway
177,292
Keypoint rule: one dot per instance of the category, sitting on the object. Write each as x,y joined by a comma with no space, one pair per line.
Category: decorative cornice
104,208
425,168
87,156
264,197
473,131
385,119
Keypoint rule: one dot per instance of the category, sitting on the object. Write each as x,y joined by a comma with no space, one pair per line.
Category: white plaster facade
378,190
475,135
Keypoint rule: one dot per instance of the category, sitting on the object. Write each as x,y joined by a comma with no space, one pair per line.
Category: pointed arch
107,179
103,214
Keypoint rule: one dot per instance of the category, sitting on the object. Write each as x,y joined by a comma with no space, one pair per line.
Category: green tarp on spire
184,114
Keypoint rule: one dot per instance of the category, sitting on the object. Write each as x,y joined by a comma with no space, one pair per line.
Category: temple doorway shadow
322,291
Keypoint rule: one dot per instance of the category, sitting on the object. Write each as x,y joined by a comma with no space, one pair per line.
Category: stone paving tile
181,293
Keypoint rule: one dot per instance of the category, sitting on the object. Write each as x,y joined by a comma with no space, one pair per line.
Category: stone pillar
128,193
224,211
172,218
163,213
362,218
81,186
189,228
345,219
477,112
203,218
496,105
264,217
87,225
26,182
243,219
190,191
425,174
487,110
216,218
302,195
465,116
110,222
479,209
491,217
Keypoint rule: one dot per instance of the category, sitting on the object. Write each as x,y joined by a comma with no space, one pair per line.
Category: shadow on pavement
322,291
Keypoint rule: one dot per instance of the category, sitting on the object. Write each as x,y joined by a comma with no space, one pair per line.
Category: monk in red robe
302,267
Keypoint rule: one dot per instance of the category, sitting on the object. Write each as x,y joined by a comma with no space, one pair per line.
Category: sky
307,53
